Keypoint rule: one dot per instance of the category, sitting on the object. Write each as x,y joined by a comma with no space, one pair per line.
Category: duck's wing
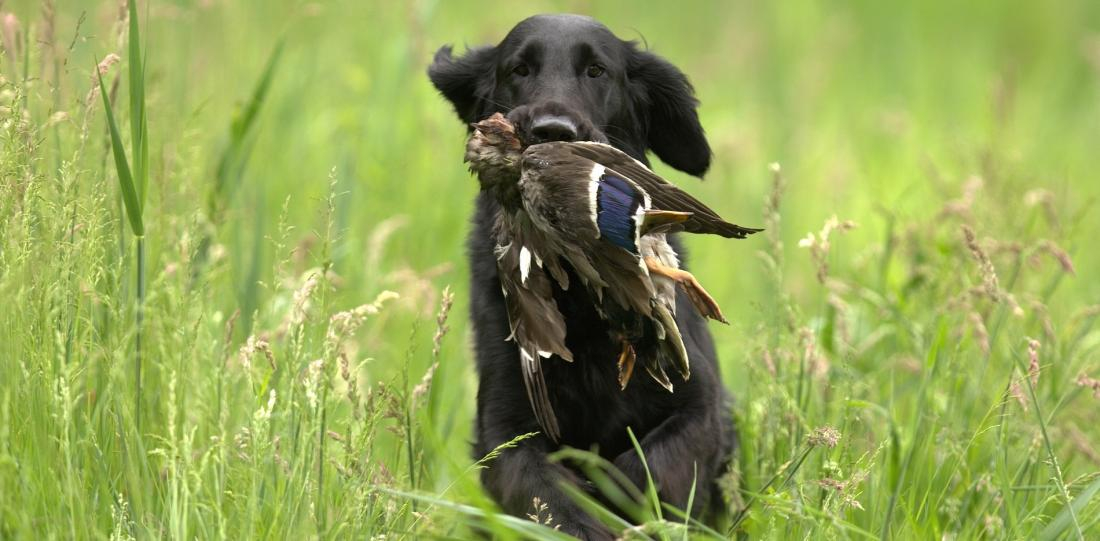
537,326
579,200
664,195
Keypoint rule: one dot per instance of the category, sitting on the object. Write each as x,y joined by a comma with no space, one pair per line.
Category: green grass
298,165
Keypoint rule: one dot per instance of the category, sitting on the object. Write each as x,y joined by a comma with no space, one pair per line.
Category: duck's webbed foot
704,303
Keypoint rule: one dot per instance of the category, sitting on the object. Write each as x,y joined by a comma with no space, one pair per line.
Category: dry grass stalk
1043,314
264,413
352,384
774,254
769,362
1059,255
842,490
417,287
824,436
1045,199
542,514
991,286
989,273
11,35
1017,391
1082,443
980,333
379,236
251,347
1084,380
820,245
771,205
302,298
441,326
421,389
816,362
230,327
343,325
961,206
1016,388
1033,346
842,309
100,69
313,382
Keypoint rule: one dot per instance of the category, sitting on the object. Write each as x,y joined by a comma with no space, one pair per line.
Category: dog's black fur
566,77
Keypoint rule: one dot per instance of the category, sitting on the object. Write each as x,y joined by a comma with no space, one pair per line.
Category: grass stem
139,321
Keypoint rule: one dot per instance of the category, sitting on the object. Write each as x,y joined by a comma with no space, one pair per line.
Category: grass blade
613,485
231,161
651,488
1069,511
125,180
525,527
243,124
138,126
1064,519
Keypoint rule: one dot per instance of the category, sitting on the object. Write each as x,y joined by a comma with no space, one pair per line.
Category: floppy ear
666,105
466,81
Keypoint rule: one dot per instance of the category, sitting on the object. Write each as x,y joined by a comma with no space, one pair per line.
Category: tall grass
274,351
133,181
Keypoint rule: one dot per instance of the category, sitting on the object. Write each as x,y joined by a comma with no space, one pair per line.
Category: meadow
913,351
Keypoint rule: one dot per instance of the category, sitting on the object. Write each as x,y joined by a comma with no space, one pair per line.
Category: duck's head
498,131
494,150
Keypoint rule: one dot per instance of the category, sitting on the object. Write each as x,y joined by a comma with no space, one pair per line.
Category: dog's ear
666,106
466,81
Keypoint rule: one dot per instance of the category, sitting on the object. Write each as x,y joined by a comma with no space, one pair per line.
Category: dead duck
605,215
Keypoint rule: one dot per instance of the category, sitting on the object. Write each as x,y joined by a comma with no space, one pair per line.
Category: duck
591,208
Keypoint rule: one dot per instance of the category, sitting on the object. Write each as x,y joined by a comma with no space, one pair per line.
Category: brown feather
673,343
537,326
662,221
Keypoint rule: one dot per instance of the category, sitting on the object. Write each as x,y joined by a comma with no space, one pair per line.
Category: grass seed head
251,347
989,273
819,244
1033,361
980,333
1083,380
425,384
441,326
824,436
11,35
1059,255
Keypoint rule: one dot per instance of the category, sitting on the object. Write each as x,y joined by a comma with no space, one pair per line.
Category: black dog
567,77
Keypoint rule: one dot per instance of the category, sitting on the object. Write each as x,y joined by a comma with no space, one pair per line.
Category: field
913,350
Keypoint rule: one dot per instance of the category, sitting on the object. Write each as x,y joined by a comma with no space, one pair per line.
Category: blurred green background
869,107
883,113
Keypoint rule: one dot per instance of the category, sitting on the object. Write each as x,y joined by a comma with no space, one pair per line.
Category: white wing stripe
593,190
524,264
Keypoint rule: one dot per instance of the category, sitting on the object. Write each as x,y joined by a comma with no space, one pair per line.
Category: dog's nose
554,128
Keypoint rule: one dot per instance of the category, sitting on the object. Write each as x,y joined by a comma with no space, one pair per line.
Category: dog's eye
595,70
522,70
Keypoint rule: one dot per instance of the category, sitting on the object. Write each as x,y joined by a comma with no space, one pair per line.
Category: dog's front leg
522,479
685,448
526,484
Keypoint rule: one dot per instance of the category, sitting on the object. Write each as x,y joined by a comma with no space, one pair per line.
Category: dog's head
567,77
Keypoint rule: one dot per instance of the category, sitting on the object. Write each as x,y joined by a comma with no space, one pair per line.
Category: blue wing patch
616,202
